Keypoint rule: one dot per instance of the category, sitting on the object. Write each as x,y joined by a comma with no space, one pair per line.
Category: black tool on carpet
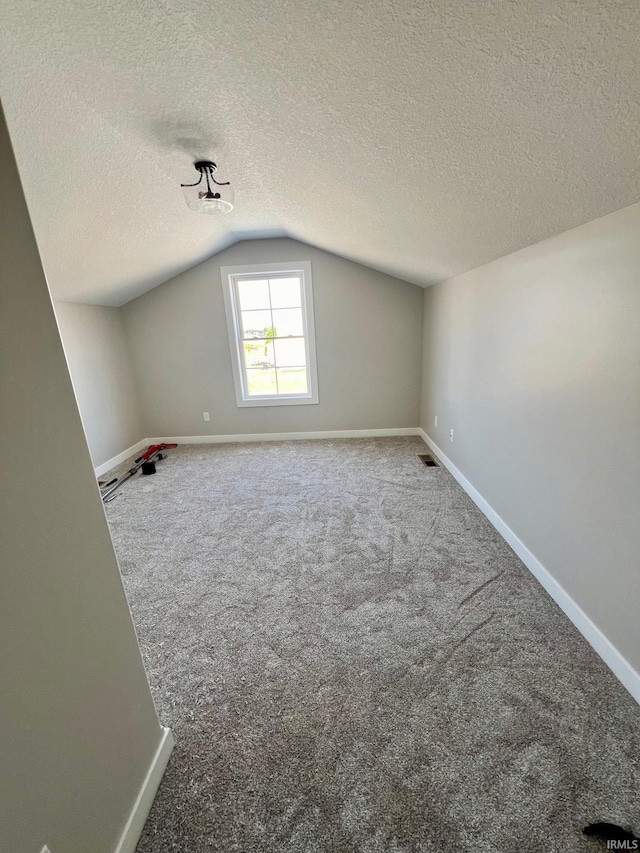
611,832
110,483
146,462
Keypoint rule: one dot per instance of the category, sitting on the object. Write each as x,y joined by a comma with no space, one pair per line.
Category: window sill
278,401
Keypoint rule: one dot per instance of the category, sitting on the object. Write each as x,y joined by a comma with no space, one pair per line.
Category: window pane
256,324
288,321
261,383
285,292
258,353
253,293
290,352
292,380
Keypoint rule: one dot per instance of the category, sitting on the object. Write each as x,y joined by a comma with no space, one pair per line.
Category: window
271,334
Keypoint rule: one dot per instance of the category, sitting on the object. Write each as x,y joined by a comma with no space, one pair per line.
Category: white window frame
229,275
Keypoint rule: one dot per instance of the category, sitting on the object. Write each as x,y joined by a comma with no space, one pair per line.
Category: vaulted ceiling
419,137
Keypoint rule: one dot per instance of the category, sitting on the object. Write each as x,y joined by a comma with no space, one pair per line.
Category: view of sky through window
272,329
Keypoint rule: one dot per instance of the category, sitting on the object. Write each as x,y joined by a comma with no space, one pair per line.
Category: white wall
534,360
78,729
369,345
100,364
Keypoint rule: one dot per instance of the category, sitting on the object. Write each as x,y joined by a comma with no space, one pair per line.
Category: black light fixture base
206,181
201,165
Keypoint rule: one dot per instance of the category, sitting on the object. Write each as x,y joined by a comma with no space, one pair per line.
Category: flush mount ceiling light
208,195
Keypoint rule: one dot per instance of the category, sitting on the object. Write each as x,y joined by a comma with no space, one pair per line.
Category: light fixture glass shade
208,194
202,201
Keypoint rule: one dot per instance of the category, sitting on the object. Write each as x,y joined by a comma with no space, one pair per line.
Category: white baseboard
144,800
618,664
111,463
285,436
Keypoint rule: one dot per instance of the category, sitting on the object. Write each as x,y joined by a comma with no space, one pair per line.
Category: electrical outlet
451,436
205,416
435,421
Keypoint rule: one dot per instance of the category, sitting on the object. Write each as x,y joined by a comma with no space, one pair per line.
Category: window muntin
270,317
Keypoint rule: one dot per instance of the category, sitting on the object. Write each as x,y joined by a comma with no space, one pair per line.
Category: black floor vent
428,460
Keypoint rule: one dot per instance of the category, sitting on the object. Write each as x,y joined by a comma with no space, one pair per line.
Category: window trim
228,274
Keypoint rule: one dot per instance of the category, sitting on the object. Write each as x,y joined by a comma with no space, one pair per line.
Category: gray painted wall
78,729
98,356
534,360
369,345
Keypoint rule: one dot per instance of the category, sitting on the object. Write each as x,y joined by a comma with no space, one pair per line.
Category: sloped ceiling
421,137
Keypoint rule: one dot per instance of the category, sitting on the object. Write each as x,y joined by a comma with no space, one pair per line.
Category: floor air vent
428,460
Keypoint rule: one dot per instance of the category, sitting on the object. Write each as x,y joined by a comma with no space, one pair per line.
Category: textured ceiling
420,137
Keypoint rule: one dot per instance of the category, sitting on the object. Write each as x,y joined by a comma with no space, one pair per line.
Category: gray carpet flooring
353,660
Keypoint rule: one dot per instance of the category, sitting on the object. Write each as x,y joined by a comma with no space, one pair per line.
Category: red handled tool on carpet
146,462
152,450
